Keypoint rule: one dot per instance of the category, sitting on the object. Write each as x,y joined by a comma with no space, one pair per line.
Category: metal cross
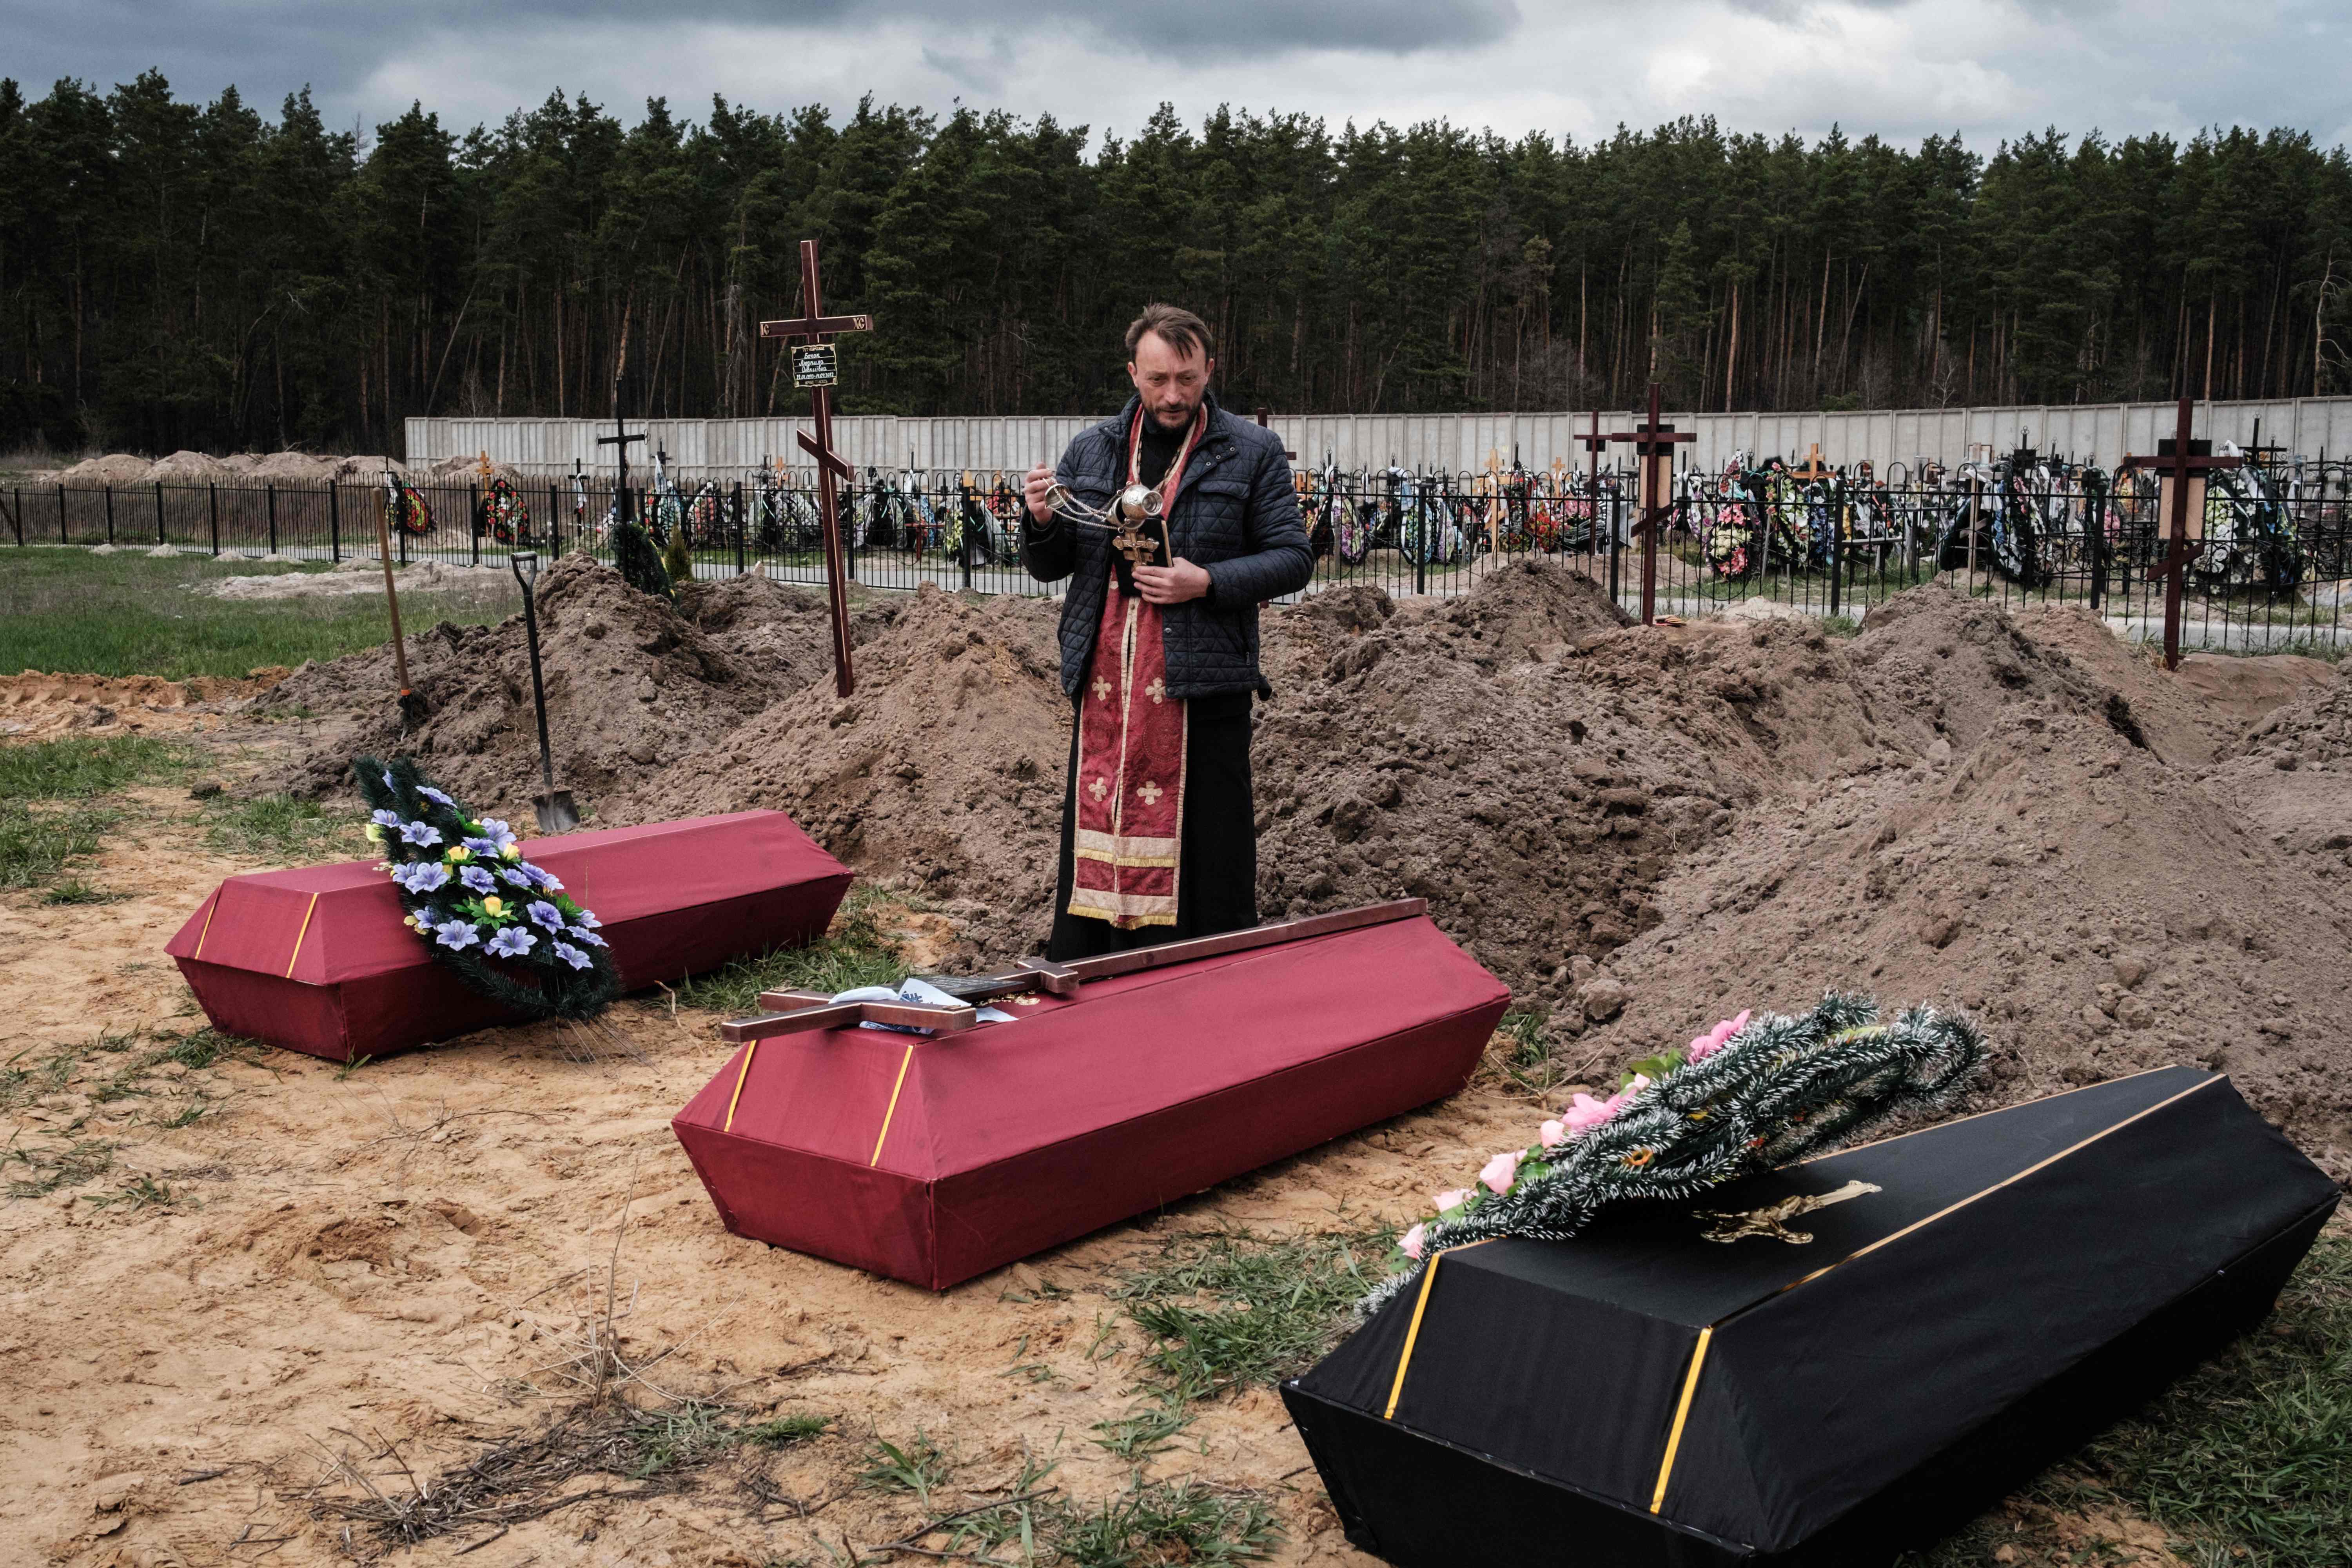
819,328
2181,461
1139,548
619,441
1654,447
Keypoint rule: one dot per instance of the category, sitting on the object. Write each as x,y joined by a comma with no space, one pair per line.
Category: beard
1176,414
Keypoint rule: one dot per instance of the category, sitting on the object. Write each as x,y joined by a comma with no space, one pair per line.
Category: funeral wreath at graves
1750,1094
504,925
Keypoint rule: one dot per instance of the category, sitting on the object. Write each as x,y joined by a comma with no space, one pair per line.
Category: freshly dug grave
632,684
363,575
34,706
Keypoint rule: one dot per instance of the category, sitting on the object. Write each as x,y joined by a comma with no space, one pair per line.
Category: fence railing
2270,569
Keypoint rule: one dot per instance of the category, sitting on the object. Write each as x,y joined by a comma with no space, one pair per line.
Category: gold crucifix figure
1139,548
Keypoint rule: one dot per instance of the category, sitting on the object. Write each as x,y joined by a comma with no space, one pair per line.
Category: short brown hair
1178,327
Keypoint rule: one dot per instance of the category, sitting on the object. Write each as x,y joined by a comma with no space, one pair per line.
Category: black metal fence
2269,569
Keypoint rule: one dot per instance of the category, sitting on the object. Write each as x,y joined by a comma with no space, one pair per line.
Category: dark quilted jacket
1236,516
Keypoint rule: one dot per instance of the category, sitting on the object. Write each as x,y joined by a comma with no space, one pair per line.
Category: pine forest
181,274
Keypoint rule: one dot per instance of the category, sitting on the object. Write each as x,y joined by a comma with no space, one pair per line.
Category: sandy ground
407,1252
375,1271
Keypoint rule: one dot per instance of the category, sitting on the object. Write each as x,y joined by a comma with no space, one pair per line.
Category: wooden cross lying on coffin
796,1012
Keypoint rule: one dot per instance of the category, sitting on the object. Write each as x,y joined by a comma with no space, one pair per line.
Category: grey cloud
269,47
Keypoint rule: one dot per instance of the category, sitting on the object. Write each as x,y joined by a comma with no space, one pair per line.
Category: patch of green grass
919,1468
71,1164
1143,1431
82,767
854,953
37,845
141,1192
2329,649
1148,1523
783,1431
201,1047
682,1436
1528,1060
74,891
130,614
185,1116
1169,1522
1228,1309
279,828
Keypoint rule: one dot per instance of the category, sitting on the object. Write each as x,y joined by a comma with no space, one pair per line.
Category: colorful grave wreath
505,513
1749,1094
405,510
505,925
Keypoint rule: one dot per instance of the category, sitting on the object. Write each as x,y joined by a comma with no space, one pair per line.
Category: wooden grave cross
2180,466
1813,469
819,329
1654,446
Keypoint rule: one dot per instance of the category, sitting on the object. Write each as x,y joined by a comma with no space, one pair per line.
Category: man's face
1171,385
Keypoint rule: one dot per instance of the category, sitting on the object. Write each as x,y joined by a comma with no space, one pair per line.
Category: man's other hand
1173,583
1039,480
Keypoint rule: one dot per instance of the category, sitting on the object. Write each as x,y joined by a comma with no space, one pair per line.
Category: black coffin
1642,1396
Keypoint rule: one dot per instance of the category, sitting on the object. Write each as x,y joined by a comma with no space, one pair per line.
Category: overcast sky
1902,69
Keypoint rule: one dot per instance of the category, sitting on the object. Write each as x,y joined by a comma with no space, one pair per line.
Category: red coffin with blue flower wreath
317,959
935,1159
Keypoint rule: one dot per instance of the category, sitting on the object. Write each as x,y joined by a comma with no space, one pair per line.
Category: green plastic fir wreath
506,926
1747,1096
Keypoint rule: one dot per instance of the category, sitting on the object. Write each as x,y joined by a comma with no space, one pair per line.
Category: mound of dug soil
944,770
1640,830
2038,845
632,684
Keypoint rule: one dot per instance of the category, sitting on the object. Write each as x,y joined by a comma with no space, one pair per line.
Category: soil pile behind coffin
945,770
631,686
2020,844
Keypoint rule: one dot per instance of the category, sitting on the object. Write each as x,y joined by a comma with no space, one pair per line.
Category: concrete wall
2103,432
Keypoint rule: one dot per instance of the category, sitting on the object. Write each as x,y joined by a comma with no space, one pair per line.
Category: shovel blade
556,812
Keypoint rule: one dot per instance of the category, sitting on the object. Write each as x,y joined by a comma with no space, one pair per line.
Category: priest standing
1159,837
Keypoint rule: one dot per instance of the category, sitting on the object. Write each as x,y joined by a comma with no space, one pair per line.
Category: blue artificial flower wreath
469,893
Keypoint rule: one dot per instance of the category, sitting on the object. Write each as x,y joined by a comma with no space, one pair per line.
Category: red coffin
316,959
933,1160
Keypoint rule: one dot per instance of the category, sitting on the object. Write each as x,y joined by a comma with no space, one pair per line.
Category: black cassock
1216,877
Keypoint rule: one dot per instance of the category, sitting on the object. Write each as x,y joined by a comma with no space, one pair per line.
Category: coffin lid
929,1107
1753,1391
321,925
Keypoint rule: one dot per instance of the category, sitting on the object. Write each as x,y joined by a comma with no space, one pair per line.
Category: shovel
554,808
412,706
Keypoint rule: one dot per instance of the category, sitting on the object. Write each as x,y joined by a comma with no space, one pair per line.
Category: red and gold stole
1131,795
